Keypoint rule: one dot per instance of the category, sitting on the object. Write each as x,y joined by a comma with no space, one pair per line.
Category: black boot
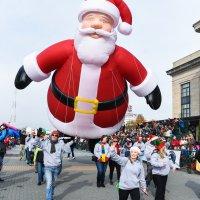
98,182
102,184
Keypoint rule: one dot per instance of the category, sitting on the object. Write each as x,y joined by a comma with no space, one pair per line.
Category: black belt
69,101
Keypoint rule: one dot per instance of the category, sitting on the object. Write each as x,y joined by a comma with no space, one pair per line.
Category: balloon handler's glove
22,80
154,98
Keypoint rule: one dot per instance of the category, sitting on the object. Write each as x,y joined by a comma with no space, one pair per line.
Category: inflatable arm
37,67
142,81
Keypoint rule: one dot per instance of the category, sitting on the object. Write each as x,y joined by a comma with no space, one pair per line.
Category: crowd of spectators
177,133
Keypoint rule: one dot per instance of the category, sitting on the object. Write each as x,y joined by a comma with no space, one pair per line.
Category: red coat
121,66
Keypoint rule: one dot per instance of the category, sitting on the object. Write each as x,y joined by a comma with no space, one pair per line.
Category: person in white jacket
102,153
53,148
132,174
30,144
161,165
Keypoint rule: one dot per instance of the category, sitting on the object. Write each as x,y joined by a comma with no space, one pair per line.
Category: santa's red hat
114,8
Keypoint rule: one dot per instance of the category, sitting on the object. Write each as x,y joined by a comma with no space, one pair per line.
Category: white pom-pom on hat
125,28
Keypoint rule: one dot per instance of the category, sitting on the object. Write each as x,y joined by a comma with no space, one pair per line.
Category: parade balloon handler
53,148
39,164
88,95
161,165
132,174
72,150
22,144
102,154
32,141
113,164
39,159
26,147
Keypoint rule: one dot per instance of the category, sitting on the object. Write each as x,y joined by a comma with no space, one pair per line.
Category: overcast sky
162,34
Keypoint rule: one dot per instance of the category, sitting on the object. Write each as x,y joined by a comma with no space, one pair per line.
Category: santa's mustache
89,31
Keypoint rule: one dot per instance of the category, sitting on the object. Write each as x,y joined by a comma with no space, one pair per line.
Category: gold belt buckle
94,103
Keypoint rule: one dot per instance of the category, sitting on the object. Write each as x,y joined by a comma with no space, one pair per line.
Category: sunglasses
115,141
54,135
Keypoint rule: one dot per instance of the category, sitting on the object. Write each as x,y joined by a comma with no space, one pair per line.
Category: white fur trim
154,138
146,87
32,68
125,28
102,6
83,130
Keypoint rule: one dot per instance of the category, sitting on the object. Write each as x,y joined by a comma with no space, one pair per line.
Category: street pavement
78,182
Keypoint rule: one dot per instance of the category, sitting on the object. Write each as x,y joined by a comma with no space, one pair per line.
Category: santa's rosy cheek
85,24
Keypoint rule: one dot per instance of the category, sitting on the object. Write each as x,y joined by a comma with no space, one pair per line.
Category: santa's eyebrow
106,18
89,15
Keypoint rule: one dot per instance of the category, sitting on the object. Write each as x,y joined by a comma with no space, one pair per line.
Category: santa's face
95,39
97,20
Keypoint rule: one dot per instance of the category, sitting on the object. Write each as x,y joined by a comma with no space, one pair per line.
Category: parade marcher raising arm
161,168
132,174
53,149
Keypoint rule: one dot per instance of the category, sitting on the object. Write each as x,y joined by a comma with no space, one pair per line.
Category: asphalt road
78,182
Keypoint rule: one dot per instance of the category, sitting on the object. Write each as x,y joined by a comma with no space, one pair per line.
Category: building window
185,100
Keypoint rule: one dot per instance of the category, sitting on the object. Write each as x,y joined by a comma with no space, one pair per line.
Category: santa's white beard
94,51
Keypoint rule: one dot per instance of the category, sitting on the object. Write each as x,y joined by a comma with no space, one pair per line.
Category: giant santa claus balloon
88,92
